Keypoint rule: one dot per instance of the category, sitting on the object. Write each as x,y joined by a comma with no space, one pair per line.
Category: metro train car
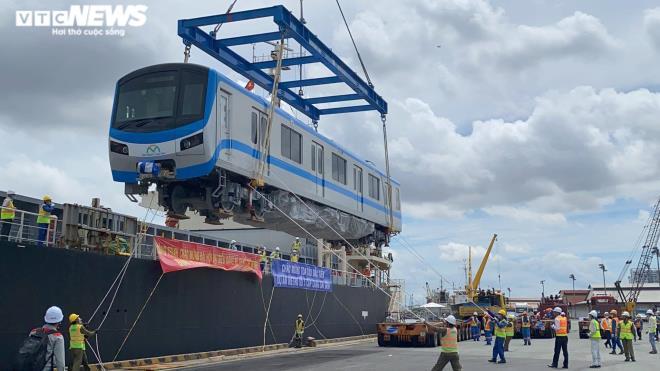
196,135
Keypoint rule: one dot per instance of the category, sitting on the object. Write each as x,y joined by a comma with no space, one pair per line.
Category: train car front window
150,96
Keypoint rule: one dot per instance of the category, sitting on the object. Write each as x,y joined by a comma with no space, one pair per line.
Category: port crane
640,273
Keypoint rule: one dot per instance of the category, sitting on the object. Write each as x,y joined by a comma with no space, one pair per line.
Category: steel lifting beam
289,27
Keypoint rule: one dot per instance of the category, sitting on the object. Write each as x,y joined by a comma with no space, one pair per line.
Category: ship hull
190,311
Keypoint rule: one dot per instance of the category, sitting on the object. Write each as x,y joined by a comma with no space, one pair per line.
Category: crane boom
640,273
474,285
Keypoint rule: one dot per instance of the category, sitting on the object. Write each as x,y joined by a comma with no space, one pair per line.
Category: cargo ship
190,311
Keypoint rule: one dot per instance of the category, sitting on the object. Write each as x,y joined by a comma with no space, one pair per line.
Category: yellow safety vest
500,332
296,246
509,329
563,327
300,326
77,338
8,212
274,255
449,341
626,330
264,257
44,216
294,258
525,324
596,334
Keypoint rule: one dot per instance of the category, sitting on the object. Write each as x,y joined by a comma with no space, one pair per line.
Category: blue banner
301,276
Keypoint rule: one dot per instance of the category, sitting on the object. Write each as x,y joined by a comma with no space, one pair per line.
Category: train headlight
115,147
192,141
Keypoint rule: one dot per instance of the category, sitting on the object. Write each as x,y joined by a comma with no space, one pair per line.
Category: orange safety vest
563,327
487,324
605,324
449,342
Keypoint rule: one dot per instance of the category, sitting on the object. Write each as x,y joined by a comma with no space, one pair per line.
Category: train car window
291,144
262,129
338,169
313,157
397,204
255,119
193,84
374,187
149,96
319,159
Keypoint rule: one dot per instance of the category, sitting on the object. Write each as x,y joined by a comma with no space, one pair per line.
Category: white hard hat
297,238
607,313
593,313
53,315
277,248
451,319
639,315
563,313
10,193
650,311
474,314
233,241
625,314
557,309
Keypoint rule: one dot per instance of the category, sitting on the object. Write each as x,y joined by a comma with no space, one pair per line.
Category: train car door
358,188
317,167
223,130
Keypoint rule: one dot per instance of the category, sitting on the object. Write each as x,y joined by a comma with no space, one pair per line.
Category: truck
547,305
416,333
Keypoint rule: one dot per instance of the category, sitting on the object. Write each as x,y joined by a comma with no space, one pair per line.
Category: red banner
175,255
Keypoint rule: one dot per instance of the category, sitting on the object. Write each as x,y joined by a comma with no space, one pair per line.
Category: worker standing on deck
295,247
449,346
263,257
606,326
594,335
616,341
509,331
232,245
651,330
525,329
275,254
7,215
300,329
475,328
561,338
43,220
294,257
488,329
77,335
500,335
625,333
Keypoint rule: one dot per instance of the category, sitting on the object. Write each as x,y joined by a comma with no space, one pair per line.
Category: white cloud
652,26
525,215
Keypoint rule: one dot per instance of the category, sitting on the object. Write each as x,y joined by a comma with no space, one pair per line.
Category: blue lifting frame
288,27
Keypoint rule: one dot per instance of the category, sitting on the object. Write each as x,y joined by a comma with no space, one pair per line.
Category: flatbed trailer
417,334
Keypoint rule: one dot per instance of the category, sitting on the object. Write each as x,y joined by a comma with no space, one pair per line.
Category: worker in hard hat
55,350
651,330
488,328
263,257
561,338
500,336
295,247
606,328
625,333
7,215
525,329
43,220
594,335
475,327
300,329
77,335
509,331
232,245
275,254
616,341
448,346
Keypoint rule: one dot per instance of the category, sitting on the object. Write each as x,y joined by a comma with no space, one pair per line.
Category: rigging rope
217,27
270,301
364,68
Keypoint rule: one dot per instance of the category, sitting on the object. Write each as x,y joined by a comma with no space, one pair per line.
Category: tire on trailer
381,340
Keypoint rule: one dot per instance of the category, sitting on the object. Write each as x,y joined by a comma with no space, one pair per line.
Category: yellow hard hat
73,317
502,312
47,198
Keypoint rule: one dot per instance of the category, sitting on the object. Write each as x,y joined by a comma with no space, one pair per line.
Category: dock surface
474,355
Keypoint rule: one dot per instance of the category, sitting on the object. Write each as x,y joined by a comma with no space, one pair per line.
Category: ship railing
23,228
